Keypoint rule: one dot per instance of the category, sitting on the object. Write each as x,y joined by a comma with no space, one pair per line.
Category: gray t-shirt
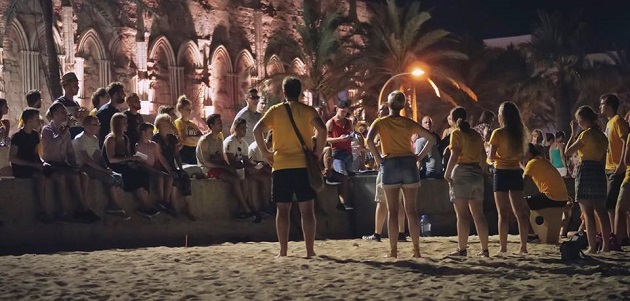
432,163
251,118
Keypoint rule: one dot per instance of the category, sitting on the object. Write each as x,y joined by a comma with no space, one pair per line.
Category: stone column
30,69
176,80
2,78
258,46
68,36
80,72
104,70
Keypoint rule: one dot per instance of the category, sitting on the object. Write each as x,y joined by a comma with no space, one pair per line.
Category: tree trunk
53,68
563,108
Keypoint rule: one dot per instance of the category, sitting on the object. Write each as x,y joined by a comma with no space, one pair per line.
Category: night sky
609,19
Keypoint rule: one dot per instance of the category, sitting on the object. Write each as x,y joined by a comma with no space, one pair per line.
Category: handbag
313,169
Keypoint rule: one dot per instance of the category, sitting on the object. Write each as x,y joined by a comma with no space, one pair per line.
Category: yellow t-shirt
507,156
616,131
627,178
547,179
594,146
471,146
395,132
191,129
287,148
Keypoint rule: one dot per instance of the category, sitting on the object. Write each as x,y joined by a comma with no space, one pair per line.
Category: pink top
149,149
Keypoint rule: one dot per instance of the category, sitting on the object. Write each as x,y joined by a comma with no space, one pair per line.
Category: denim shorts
400,172
342,161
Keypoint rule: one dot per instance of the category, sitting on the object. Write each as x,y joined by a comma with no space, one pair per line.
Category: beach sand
343,270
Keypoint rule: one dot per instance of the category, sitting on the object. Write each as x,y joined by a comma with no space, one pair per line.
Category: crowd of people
155,161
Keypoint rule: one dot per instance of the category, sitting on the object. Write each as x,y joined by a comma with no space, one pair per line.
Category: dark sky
609,19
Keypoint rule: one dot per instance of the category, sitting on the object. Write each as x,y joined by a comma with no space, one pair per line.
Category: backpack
572,248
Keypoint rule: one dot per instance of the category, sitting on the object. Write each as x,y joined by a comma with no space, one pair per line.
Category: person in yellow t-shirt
590,180
187,131
465,177
623,204
507,148
616,132
398,162
290,175
551,187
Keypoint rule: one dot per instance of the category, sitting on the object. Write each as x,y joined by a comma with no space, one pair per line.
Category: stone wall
212,51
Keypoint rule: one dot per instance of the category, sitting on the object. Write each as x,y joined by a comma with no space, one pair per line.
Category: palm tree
397,40
557,53
322,49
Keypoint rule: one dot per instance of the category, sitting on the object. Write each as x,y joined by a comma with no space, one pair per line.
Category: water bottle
425,226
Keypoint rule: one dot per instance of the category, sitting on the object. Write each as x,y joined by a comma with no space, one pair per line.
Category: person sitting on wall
169,145
159,170
134,119
119,158
188,132
261,173
26,162
60,162
116,92
90,159
211,159
339,129
235,149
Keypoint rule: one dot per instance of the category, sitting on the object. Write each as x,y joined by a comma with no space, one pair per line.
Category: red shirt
337,131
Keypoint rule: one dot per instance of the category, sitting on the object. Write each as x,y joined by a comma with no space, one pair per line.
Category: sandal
459,252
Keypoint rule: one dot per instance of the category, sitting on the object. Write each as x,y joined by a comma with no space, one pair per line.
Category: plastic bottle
425,226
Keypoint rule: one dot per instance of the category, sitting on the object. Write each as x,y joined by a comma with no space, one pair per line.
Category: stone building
210,50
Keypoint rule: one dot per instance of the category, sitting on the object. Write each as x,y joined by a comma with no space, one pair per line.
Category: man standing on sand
290,175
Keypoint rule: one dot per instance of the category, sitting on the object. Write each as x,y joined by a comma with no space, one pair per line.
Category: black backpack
572,248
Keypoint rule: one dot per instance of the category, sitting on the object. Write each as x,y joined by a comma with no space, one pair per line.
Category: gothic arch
245,69
165,45
193,49
221,55
18,29
92,35
298,66
40,32
275,66
222,83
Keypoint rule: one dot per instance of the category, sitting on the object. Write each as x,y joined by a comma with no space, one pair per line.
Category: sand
343,270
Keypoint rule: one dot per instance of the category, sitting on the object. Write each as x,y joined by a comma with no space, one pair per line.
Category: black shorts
541,201
287,182
613,187
505,180
23,171
189,155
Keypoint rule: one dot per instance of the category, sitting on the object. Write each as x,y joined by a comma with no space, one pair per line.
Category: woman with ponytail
508,145
591,146
465,178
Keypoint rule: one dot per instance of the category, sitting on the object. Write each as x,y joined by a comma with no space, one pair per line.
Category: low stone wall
214,205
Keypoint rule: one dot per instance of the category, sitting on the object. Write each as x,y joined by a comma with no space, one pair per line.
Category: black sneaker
402,237
148,213
87,216
374,237
168,208
257,219
191,217
118,212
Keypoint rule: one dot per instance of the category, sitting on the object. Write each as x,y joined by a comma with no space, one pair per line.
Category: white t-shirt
255,154
251,118
239,148
83,142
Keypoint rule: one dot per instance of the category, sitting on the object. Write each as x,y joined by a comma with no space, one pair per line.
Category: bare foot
416,254
309,255
282,254
392,254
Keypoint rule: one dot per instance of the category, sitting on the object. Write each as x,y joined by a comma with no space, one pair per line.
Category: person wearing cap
340,133
70,84
250,114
